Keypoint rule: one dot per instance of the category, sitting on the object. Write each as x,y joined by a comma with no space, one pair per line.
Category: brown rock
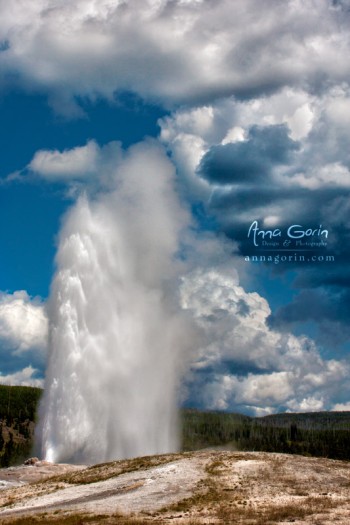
31,461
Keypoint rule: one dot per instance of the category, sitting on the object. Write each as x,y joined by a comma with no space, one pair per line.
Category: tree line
324,434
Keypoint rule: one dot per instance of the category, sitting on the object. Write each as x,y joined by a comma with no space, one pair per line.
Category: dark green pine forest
18,408
324,434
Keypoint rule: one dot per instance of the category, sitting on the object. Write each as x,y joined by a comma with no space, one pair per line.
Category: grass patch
241,512
207,493
104,471
55,518
86,519
60,518
215,468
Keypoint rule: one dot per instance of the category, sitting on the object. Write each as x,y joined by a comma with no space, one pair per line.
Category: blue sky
31,212
253,116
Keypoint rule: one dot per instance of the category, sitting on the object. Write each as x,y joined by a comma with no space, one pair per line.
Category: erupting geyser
115,328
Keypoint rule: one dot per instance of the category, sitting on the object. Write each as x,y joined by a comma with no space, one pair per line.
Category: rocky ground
205,487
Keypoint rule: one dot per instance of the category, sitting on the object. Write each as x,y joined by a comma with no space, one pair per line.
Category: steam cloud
116,332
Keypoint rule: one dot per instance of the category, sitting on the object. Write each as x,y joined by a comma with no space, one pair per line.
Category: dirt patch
39,471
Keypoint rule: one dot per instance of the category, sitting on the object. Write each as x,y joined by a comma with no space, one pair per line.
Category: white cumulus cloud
174,51
23,322
75,163
341,407
242,363
25,377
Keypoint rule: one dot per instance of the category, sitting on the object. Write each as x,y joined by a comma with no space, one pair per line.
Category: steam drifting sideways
116,332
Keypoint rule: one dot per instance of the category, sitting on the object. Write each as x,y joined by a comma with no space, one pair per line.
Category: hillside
18,407
308,420
207,487
325,434
207,429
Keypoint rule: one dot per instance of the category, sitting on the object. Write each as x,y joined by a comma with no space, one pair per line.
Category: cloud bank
279,159
173,51
245,365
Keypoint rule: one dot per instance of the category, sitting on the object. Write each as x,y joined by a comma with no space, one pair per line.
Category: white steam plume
116,332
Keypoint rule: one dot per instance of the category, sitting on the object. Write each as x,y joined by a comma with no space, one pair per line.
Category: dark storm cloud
251,160
313,305
337,276
326,301
258,192
328,307
344,5
293,205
